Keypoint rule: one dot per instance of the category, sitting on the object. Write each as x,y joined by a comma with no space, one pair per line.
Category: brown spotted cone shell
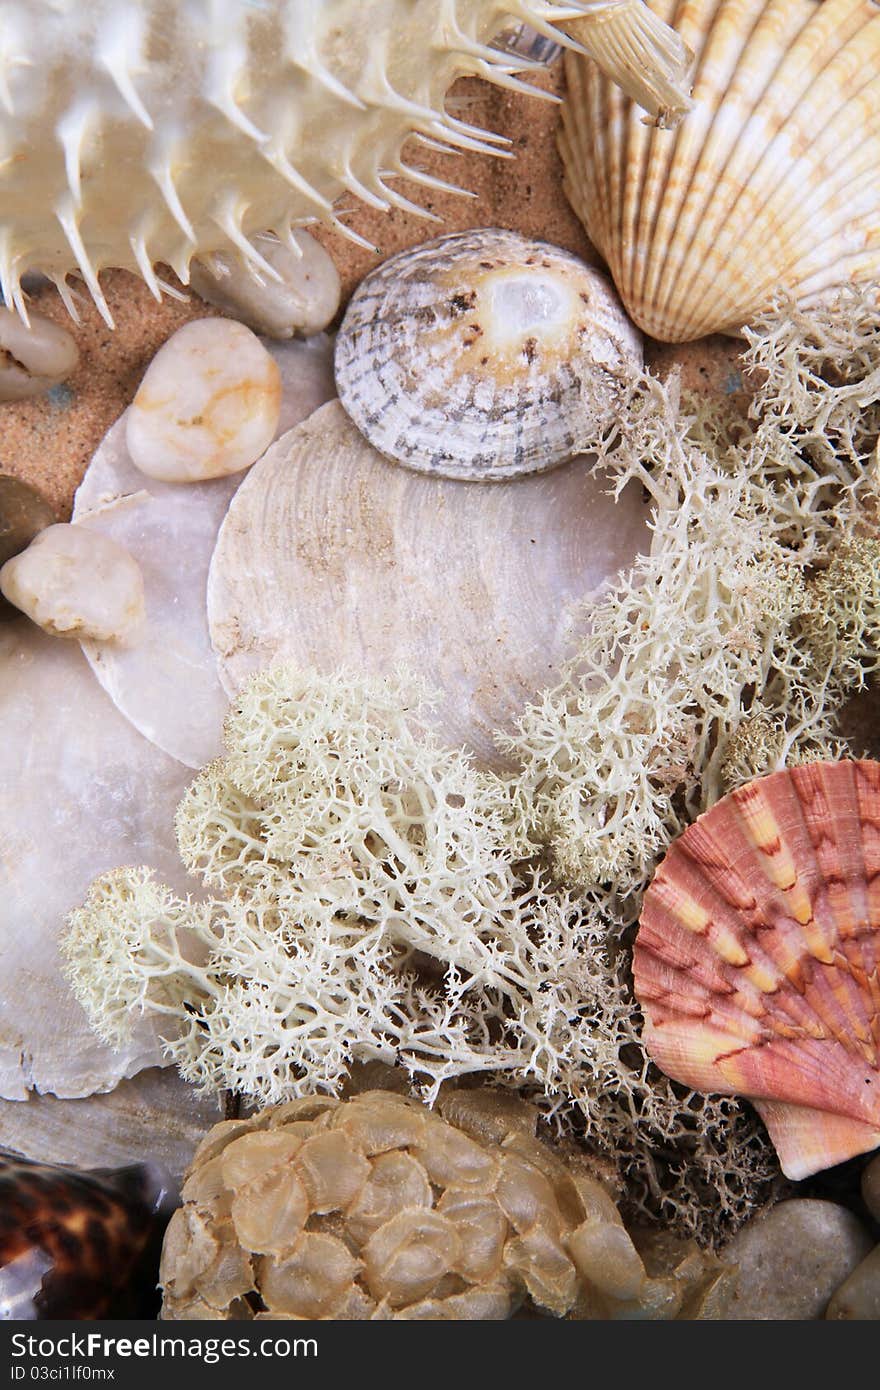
757,955
484,355
79,1245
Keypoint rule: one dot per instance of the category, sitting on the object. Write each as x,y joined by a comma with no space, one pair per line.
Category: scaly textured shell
78,1244
757,960
483,355
332,557
769,184
378,1208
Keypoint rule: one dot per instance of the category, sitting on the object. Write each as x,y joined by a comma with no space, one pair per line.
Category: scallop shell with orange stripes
757,961
769,183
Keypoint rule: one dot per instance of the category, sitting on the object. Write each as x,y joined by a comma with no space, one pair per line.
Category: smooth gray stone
859,1297
789,1262
871,1187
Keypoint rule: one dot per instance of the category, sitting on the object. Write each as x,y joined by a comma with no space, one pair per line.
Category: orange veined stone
756,961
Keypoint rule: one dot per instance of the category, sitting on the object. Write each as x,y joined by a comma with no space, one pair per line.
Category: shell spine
141,131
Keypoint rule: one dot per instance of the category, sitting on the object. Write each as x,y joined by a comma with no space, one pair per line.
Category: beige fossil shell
769,184
757,960
484,355
331,557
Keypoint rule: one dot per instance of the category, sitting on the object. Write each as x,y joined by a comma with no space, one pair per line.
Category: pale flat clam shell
80,792
770,182
164,679
332,557
154,1117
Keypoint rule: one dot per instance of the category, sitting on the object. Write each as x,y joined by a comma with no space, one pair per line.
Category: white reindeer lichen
729,649
370,911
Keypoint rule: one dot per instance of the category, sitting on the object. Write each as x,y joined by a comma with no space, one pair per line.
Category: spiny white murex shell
140,131
771,182
483,355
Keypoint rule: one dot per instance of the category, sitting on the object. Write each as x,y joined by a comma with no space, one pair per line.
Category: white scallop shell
165,679
484,355
770,183
331,557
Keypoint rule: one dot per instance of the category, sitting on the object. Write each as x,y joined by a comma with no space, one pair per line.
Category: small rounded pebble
24,512
871,1187
305,301
788,1263
208,405
33,358
859,1297
74,582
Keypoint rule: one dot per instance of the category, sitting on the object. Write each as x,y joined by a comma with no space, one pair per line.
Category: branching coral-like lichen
371,910
728,649
726,652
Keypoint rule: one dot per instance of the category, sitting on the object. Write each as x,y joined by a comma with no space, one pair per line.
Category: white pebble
75,582
35,358
208,405
304,302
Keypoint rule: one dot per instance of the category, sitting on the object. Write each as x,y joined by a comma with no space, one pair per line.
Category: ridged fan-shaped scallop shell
483,355
770,183
757,960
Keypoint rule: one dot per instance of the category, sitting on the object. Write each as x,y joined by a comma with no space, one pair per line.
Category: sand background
48,441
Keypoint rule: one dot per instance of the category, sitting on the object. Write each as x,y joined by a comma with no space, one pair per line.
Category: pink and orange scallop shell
757,960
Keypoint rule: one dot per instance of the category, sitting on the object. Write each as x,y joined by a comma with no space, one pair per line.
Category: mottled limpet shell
331,557
757,957
484,355
79,1245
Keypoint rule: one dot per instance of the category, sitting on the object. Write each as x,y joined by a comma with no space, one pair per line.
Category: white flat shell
80,793
165,681
330,556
